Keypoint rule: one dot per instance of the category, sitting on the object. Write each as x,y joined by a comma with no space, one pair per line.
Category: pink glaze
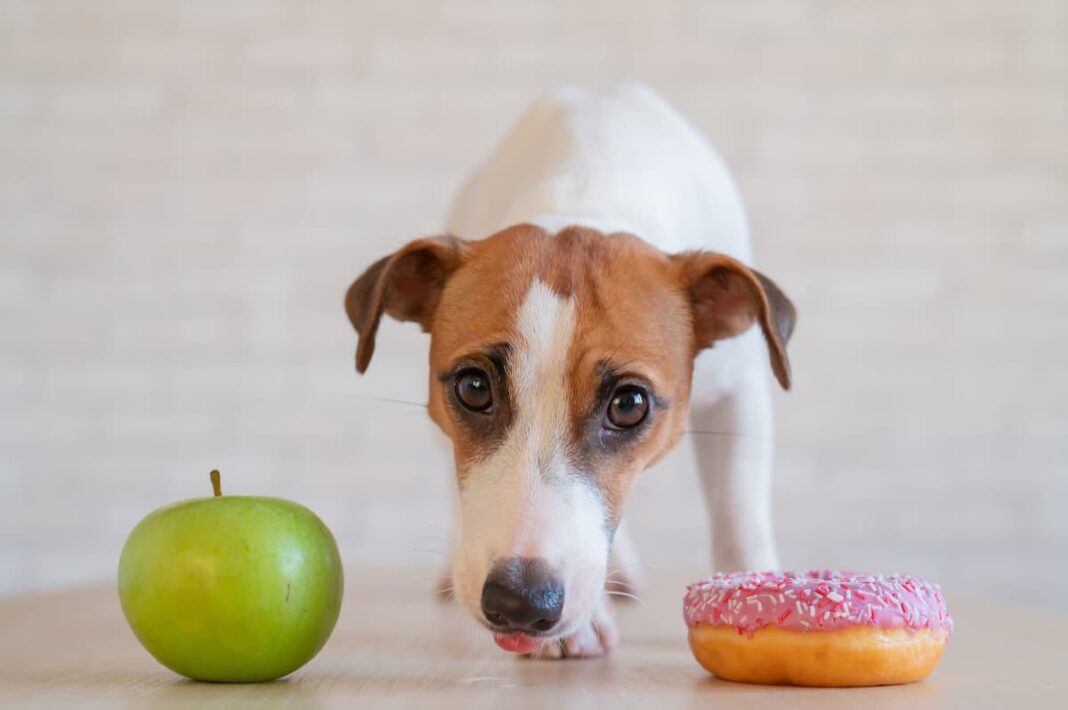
815,601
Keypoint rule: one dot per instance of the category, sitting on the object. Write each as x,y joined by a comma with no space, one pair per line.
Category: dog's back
620,159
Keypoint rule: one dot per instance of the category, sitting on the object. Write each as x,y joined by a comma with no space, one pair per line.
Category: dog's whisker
614,571
389,400
417,551
740,435
618,593
437,536
429,529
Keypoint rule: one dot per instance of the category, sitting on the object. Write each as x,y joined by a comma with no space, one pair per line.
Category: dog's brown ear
726,298
406,285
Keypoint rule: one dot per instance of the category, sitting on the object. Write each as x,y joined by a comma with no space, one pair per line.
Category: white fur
624,160
618,159
527,499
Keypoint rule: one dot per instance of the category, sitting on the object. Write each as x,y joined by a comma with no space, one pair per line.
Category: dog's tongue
517,643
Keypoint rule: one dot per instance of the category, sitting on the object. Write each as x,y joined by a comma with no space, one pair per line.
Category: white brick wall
187,188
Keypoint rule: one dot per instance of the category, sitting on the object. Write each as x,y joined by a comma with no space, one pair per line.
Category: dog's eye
628,407
473,390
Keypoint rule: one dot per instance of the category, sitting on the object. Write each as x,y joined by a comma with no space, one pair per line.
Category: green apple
231,588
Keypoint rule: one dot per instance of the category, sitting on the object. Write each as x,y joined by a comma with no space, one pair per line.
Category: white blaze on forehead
538,369
526,498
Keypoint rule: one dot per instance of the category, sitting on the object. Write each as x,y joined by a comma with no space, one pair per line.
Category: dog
592,295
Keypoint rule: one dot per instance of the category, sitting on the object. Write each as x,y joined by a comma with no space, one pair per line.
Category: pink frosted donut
817,628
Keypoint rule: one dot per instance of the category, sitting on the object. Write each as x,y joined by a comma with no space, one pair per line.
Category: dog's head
560,367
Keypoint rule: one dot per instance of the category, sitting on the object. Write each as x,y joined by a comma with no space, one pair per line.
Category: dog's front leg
732,434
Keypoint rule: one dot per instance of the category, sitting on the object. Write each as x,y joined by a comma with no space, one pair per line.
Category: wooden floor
395,645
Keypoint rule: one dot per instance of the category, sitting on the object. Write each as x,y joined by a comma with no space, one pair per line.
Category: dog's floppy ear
726,297
406,285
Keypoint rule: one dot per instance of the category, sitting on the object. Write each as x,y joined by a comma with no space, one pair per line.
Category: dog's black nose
522,594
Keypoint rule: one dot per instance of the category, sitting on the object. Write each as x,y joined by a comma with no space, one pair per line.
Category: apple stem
216,483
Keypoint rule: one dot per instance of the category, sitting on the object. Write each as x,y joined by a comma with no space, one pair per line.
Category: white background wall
186,189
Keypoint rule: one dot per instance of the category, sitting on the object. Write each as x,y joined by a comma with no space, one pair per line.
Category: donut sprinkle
822,600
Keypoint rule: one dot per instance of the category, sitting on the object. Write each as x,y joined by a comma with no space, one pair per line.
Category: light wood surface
396,646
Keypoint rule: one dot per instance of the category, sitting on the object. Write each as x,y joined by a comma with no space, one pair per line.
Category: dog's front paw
595,638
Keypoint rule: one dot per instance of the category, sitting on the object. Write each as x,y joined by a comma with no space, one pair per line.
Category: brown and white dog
592,263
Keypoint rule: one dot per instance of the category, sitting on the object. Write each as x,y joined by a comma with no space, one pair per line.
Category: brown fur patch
630,312
640,316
